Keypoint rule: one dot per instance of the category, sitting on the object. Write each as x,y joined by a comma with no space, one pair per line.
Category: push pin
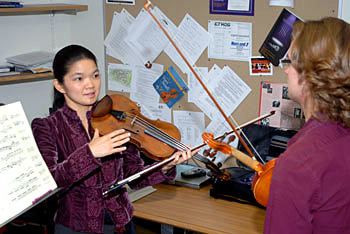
148,64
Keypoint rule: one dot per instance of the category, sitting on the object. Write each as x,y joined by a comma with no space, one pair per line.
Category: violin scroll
208,139
263,173
103,107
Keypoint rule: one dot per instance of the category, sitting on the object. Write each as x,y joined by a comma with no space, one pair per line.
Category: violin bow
199,158
146,6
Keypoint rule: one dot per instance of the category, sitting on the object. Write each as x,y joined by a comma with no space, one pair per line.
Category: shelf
25,77
33,9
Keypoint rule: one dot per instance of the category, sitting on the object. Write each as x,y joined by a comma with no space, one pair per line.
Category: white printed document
24,177
230,40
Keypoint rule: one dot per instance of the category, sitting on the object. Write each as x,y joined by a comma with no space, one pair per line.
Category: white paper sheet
191,125
146,36
142,90
230,40
238,5
285,3
195,88
159,111
228,90
115,40
192,39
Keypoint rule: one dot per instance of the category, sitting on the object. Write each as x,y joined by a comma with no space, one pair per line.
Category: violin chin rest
103,107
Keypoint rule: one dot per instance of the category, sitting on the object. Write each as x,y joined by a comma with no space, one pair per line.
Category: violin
155,138
167,95
263,173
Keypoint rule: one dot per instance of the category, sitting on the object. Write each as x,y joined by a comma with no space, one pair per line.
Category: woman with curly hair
309,191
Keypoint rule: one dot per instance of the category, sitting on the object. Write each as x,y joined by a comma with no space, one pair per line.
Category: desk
195,210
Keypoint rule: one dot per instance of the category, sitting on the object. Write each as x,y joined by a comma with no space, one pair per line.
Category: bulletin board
262,21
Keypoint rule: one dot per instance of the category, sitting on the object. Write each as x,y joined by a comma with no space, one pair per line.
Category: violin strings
180,145
143,123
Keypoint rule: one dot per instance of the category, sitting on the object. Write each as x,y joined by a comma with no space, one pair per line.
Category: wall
344,10
48,32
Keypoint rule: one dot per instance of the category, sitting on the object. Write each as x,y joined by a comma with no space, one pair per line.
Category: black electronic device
193,173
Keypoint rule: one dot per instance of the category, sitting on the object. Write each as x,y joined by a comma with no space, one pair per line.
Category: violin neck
246,160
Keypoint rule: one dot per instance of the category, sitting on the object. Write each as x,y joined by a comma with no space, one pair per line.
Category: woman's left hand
180,157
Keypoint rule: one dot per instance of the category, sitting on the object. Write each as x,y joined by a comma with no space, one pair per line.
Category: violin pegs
213,154
206,152
231,139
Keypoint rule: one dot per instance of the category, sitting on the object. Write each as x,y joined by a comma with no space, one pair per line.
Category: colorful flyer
170,86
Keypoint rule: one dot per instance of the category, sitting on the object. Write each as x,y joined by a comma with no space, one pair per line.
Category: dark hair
62,62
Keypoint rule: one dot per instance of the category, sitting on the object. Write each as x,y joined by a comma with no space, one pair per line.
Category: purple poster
278,40
232,7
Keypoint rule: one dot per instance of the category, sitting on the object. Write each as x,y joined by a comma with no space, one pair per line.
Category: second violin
263,173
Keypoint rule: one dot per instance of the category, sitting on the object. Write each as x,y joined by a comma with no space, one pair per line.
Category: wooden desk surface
195,210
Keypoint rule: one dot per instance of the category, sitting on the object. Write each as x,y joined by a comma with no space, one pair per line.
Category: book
135,195
194,183
10,4
277,42
25,179
5,69
11,73
170,86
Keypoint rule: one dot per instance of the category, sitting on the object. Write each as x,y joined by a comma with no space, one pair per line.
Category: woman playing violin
83,163
309,190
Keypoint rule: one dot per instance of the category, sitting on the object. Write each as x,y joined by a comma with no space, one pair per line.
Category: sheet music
24,176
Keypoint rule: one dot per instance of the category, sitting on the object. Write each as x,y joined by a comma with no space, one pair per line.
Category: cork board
262,21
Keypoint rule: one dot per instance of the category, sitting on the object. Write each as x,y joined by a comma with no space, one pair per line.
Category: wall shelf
25,77
37,9
34,9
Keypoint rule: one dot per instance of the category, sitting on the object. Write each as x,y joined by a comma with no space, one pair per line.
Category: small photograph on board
260,66
170,86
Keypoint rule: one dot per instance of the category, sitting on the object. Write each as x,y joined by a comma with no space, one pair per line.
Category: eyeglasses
284,63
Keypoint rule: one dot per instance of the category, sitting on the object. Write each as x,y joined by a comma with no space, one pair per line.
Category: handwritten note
24,175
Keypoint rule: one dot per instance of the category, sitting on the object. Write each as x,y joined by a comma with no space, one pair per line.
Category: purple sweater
310,189
63,143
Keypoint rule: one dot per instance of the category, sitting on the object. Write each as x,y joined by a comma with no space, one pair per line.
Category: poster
278,40
274,97
232,7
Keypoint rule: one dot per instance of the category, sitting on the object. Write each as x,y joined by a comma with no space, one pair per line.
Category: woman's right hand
108,144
